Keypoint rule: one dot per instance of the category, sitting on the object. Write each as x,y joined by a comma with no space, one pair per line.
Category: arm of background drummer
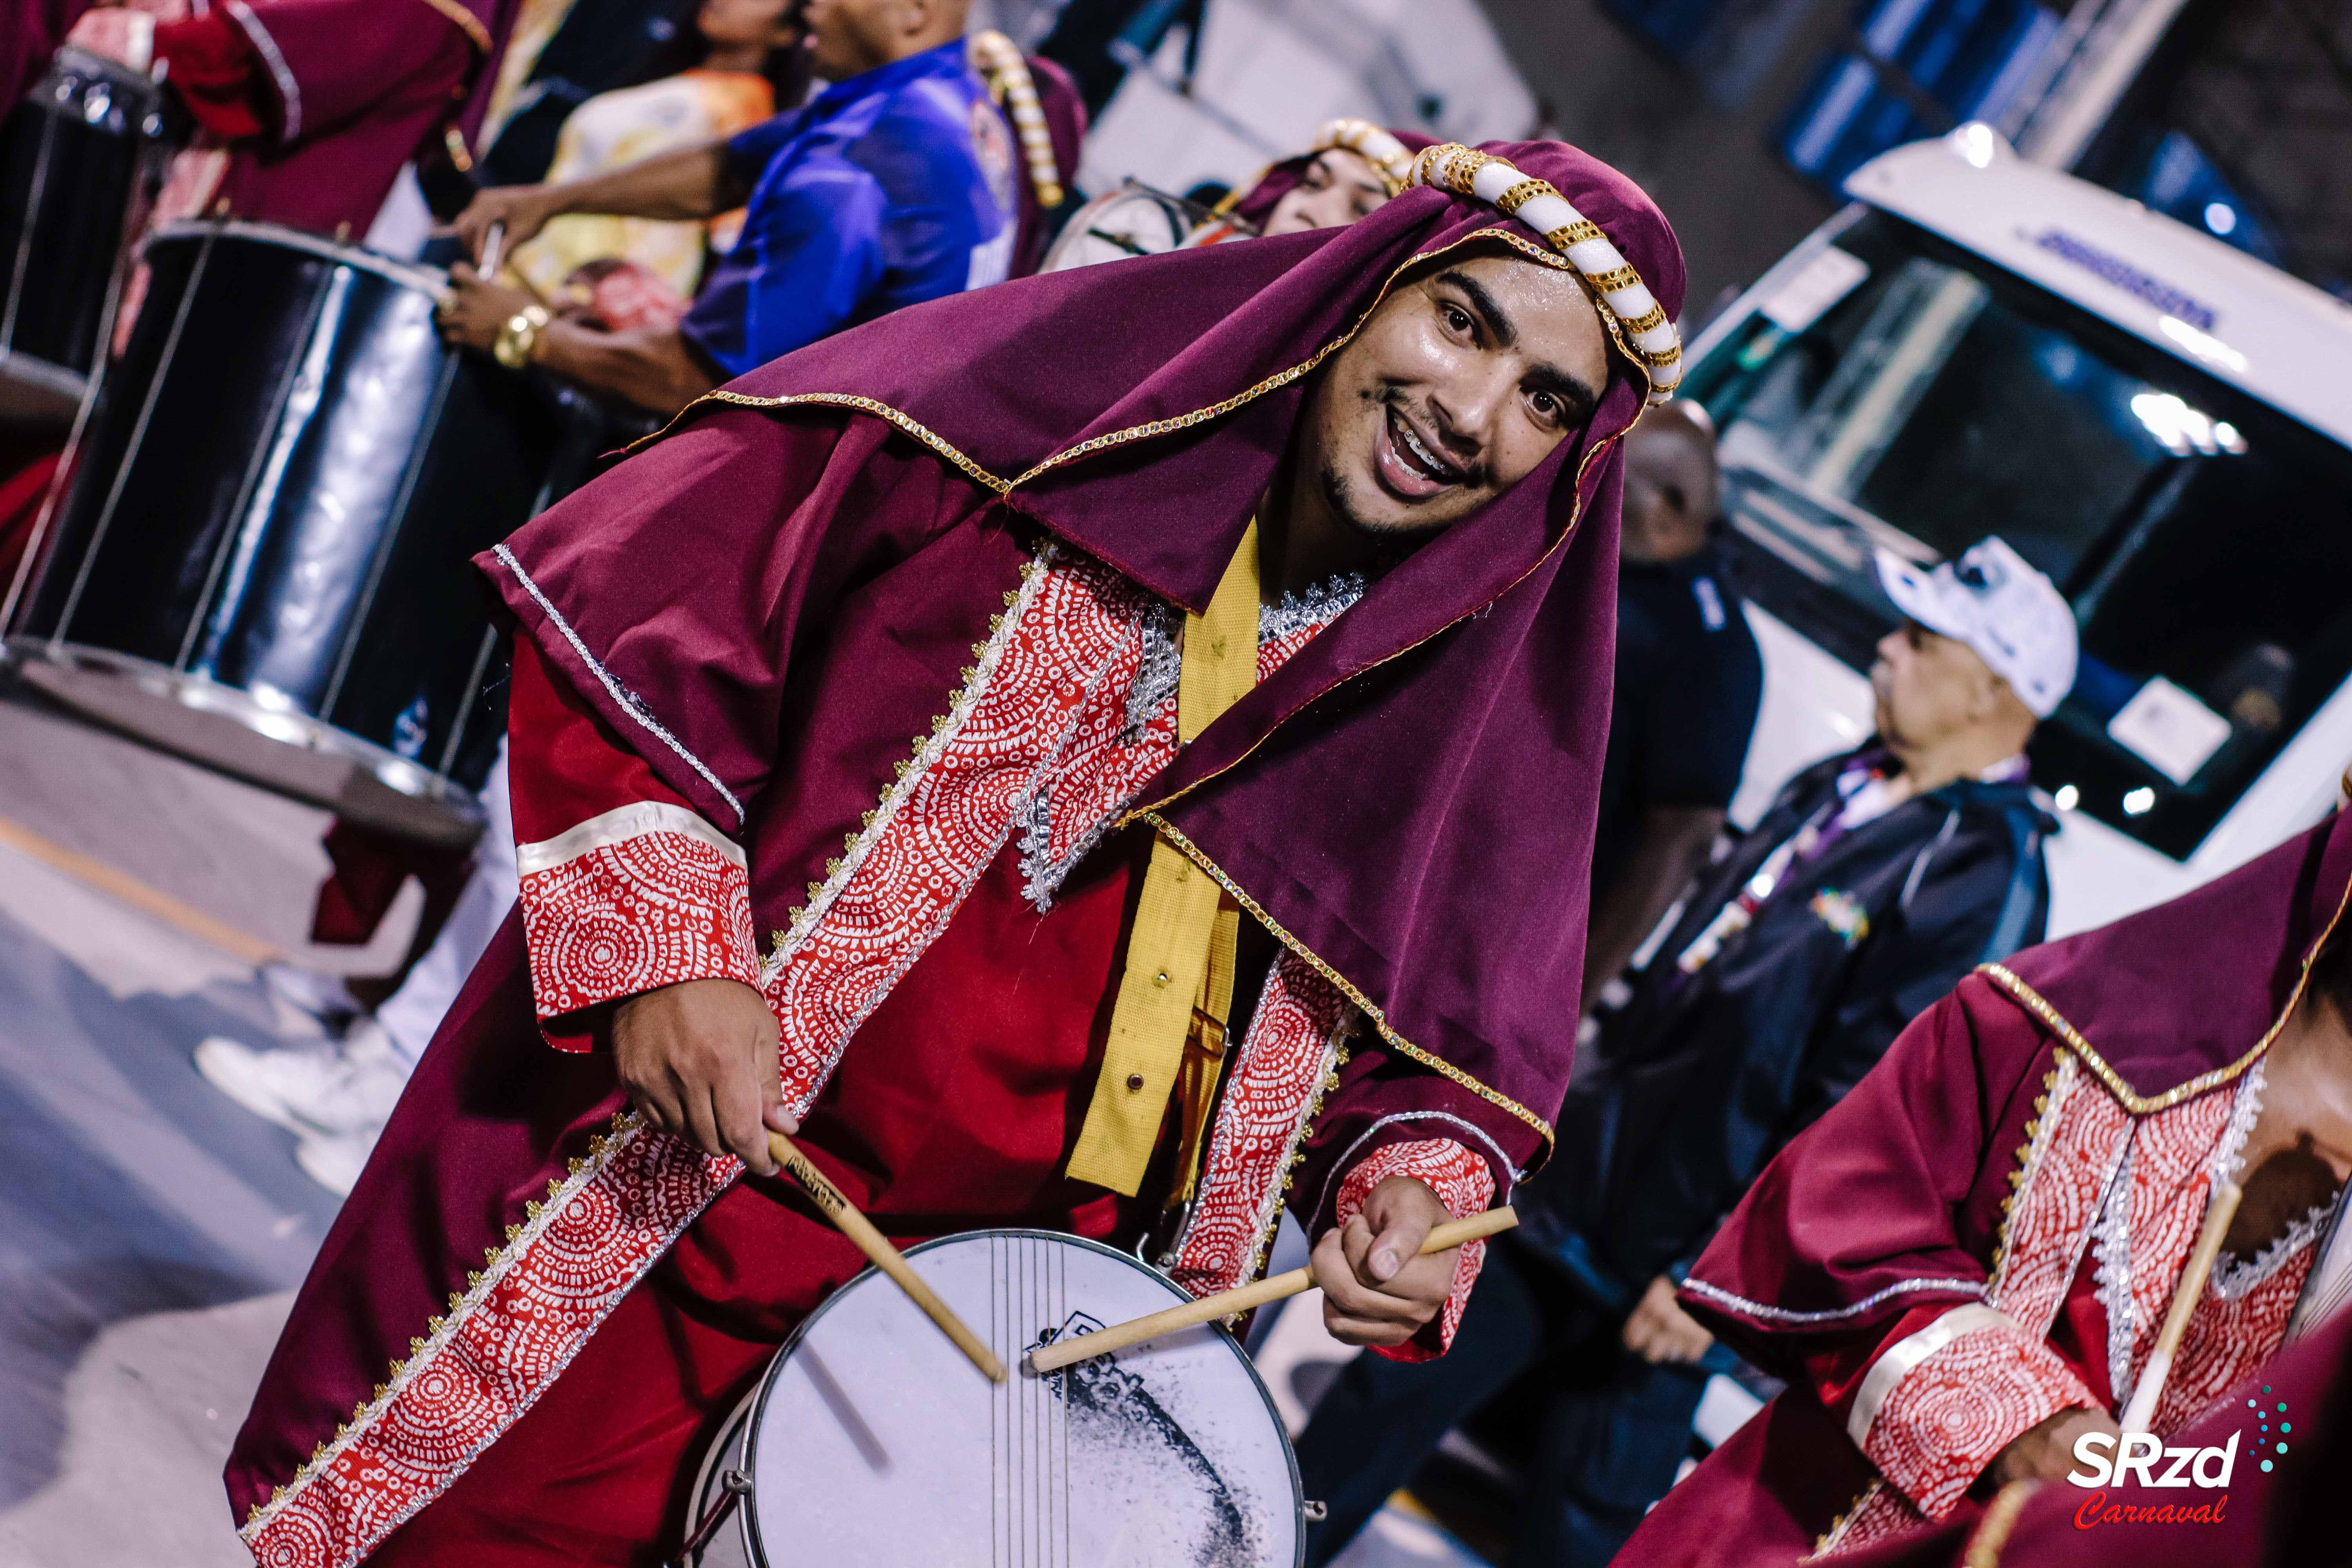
310,66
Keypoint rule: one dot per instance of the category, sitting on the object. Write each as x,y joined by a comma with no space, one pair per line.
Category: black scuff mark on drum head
1112,1408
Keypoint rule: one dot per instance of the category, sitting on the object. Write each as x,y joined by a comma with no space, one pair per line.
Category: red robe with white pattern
1987,1231
941,1032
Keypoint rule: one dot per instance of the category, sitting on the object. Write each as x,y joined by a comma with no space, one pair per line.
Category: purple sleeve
1801,1264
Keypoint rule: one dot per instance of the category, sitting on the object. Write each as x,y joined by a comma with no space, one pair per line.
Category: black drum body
262,559
75,157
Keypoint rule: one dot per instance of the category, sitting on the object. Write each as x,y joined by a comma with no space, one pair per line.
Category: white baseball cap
2012,615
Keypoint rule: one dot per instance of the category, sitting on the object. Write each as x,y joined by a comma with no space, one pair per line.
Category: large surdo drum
871,1443
76,156
262,559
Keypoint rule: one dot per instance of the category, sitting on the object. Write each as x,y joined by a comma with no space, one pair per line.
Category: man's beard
1341,496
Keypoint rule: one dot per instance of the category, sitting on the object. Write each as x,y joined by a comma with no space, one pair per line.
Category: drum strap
1177,987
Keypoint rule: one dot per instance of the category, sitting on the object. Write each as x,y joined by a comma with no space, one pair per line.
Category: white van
1979,345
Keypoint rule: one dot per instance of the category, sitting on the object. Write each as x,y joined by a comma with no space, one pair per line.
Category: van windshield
1899,392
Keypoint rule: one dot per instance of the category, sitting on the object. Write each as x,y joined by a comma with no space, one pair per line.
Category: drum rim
424,280
238,706
78,62
750,1511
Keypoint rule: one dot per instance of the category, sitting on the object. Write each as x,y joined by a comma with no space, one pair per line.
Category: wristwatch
519,336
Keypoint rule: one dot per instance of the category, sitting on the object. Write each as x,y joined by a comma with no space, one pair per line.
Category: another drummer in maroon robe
1961,1269
1348,171
307,108
876,710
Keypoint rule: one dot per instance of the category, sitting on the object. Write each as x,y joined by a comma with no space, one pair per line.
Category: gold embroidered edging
464,21
1828,1541
2033,1001
2056,1084
1369,1008
906,422
497,1262
1335,1057
928,748
1992,1532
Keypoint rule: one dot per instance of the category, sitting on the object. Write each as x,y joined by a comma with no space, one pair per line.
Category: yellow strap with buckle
1177,986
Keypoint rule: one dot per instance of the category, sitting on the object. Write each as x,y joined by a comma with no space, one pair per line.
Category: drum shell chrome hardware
263,557
78,157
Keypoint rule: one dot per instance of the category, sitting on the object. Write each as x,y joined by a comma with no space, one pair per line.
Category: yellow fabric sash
1178,988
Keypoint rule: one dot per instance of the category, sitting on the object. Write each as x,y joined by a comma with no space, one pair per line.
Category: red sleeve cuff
644,896
1939,1405
216,74
1465,1185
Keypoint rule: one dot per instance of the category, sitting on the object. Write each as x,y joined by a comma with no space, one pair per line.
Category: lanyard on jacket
1801,846
1177,990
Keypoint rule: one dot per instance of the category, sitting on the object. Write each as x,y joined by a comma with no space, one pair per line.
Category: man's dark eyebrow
1575,393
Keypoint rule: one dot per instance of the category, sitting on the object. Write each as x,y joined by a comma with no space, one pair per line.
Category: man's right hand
524,209
2046,1452
699,1059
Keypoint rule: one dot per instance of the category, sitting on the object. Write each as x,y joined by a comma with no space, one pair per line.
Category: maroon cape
1894,1201
30,32
1408,802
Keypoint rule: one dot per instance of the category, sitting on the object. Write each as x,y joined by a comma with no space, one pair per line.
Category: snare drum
1133,220
263,558
871,1442
75,158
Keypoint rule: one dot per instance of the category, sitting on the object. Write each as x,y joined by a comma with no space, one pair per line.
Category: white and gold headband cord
1375,146
1632,313
998,59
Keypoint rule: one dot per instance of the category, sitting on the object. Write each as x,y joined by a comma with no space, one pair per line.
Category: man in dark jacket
1872,885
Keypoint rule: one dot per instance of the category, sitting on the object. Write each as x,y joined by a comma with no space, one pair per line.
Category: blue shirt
893,187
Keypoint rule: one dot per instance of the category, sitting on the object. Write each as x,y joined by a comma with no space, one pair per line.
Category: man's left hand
1376,1289
474,308
1660,1330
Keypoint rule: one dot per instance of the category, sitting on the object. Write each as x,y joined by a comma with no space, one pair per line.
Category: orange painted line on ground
127,889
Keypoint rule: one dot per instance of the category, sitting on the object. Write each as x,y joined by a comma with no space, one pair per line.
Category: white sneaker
323,999
334,1160
348,1087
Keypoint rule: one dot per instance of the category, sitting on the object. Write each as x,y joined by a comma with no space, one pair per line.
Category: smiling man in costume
1963,1267
1249,610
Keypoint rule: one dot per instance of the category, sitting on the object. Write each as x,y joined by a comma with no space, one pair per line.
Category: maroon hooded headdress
1253,204
1410,802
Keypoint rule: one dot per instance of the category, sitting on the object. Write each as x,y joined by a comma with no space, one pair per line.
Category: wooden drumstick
2151,1388
1225,1303
885,1256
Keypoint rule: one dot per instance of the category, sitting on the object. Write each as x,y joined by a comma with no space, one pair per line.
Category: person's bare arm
651,367
1672,846
693,183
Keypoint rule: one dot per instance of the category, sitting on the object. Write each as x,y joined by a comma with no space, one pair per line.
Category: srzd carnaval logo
2142,1457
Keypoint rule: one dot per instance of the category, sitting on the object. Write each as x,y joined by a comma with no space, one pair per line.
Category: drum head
876,1443
1132,221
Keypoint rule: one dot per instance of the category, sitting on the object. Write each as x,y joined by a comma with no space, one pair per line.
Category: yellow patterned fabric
613,130
1177,986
